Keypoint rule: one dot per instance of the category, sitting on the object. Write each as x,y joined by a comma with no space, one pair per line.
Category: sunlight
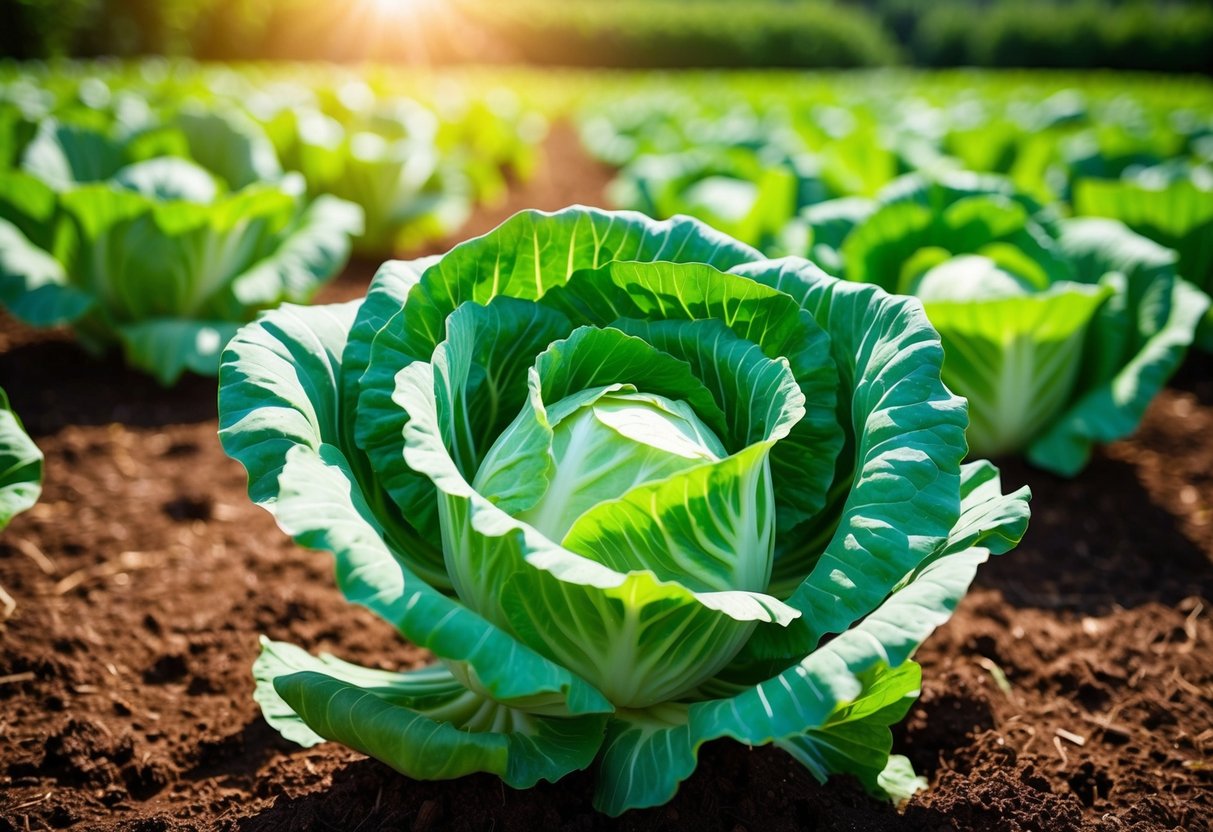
398,31
400,9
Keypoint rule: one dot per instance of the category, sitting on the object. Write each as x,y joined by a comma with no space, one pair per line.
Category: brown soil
1073,689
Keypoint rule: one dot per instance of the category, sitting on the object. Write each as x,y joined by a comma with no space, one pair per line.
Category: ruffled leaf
279,387
858,740
899,472
423,723
532,252
280,417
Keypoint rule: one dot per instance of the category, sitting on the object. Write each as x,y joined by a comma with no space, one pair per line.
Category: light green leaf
166,348
576,372
733,189
810,693
483,366
190,253
496,374
590,357
1178,216
20,465
33,284
533,251
894,494
959,213
386,296
29,204
644,757
829,224
63,155
279,387
166,178
315,248
1016,359
858,741
708,528
231,146
987,518
423,723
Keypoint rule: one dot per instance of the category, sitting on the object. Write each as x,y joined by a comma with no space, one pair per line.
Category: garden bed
1071,691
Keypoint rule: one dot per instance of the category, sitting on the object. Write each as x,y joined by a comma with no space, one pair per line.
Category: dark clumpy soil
1072,691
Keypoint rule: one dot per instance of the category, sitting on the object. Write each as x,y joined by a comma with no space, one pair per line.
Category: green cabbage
1058,332
159,255
1177,214
634,486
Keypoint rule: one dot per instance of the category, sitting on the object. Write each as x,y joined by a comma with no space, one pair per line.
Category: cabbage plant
1058,332
160,255
386,161
634,486
20,465
749,195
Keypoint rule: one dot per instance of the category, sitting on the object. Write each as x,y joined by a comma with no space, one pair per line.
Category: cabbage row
156,209
1062,244
636,483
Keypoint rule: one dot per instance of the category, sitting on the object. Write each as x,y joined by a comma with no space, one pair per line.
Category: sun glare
401,9
400,31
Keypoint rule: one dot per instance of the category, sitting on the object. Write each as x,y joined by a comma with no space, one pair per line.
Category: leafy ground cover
1071,690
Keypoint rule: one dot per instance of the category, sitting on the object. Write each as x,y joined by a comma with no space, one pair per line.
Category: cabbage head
634,486
1059,332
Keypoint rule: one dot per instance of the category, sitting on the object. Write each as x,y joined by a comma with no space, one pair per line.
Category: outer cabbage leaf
893,498
20,465
424,723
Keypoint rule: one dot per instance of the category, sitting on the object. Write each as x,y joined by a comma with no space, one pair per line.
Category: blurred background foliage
1163,35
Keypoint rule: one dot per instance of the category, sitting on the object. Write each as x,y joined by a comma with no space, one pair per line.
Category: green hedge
698,33
1167,36
1014,33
